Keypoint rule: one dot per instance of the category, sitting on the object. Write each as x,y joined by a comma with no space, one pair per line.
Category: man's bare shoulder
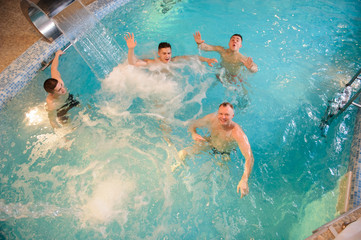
237,130
208,120
50,103
148,61
211,116
49,99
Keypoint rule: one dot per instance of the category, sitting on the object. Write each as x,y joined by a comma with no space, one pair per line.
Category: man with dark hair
58,101
164,53
164,45
225,135
232,59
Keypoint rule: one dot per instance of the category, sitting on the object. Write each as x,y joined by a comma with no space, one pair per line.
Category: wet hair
50,84
238,35
164,45
225,104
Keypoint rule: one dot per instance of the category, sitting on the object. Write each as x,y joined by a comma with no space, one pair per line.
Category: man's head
225,113
53,86
164,52
235,43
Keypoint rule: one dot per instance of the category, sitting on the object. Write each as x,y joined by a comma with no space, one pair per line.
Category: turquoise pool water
110,177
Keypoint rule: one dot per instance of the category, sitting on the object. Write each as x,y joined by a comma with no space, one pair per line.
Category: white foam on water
127,82
47,144
29,210
162,88
99,193
108,201
86,120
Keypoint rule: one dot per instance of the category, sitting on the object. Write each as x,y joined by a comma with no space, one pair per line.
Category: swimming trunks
69,104
215,151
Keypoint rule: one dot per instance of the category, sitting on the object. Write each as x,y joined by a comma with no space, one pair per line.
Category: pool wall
355,164
21,71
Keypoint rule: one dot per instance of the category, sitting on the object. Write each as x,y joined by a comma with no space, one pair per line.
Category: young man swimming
58,101
164,54
232,59
224,136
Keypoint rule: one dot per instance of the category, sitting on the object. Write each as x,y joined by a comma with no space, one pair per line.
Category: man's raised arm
131,43
54,67
206,47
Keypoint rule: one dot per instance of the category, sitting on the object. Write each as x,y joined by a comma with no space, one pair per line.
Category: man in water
58,101
164,53
224,136
232,59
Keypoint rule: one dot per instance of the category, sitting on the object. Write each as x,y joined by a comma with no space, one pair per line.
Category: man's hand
243,187
59,53
129,38
198,38
248,63
198,138
210,61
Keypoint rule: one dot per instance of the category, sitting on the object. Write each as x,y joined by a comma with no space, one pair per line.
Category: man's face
165,55
225,115
235,43
59,89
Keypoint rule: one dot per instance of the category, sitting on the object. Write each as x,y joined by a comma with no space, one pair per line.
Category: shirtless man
58,101
224,136
164,53
232,59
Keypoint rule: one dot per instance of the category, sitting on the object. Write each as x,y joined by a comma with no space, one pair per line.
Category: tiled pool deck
16,76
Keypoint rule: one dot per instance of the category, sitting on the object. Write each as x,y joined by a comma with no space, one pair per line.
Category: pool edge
355,164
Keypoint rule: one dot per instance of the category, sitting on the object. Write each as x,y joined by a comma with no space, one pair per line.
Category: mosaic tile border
21,71
355,164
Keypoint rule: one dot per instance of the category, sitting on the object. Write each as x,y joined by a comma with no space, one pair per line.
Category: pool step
345,192
333,228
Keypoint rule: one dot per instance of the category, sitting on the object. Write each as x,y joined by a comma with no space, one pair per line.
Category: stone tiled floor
16,33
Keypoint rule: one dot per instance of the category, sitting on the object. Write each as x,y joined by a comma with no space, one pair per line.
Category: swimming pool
111,176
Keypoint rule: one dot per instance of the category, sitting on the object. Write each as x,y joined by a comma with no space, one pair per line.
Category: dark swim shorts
69,104
215,151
